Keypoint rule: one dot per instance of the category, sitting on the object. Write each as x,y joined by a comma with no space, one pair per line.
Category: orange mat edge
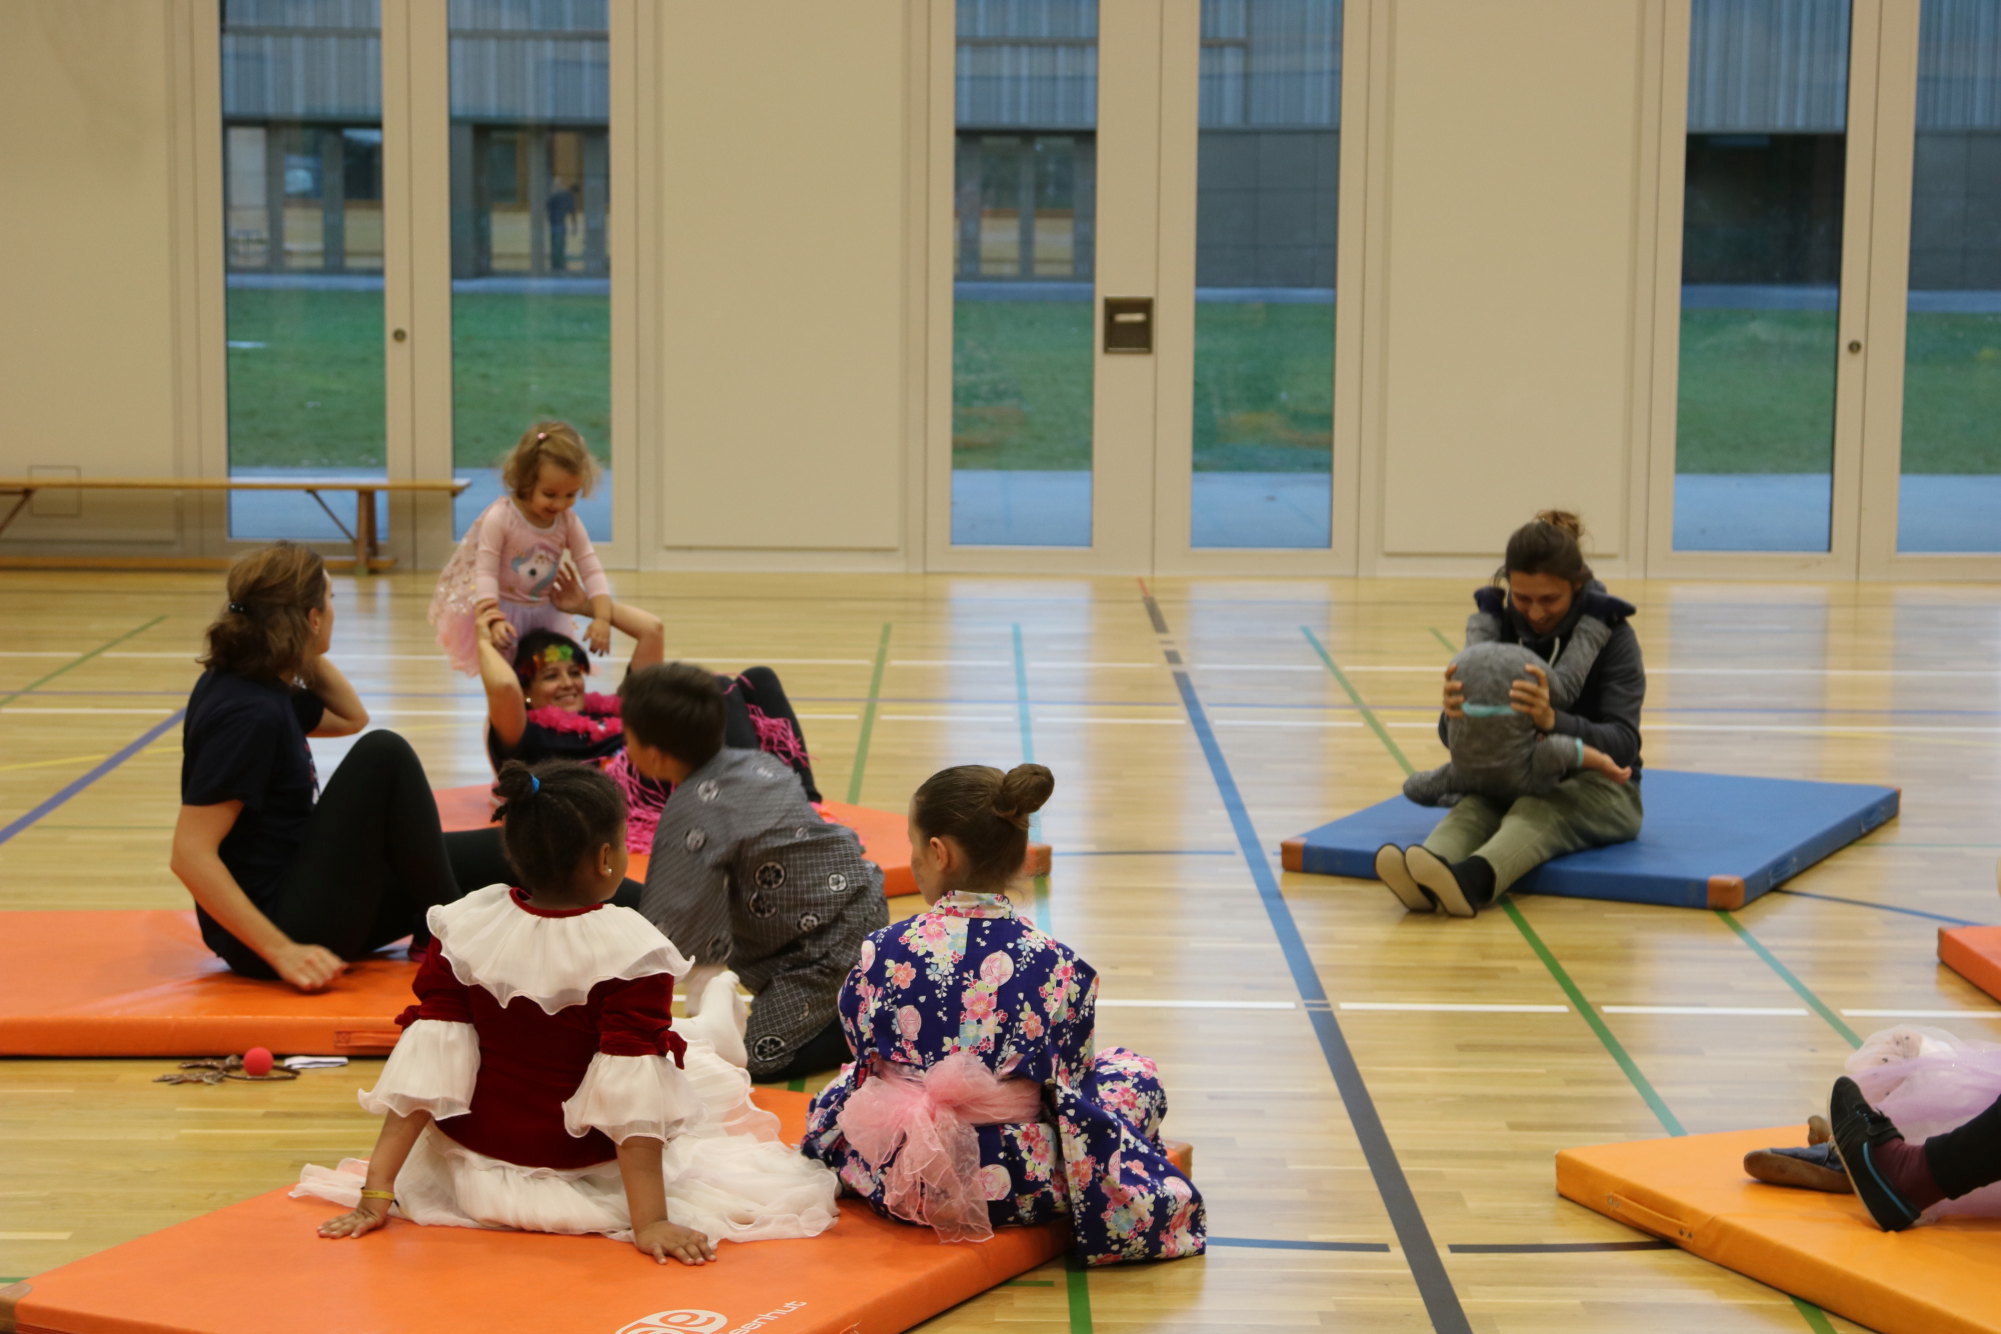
1974,952
1821,1248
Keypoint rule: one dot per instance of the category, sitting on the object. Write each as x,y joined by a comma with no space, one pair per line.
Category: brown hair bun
1023,791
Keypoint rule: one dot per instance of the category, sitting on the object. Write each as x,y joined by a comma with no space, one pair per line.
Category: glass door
1774,126
303,253
1187,156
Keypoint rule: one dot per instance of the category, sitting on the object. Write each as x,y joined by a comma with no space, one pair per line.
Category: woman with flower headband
539,706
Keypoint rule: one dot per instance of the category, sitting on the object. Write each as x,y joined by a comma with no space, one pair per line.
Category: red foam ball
257,1061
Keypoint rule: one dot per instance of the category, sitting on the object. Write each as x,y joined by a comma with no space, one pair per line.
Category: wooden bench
366,550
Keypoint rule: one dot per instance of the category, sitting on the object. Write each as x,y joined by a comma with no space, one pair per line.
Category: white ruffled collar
501,946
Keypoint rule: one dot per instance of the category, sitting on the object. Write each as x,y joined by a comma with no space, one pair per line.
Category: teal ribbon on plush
1486,710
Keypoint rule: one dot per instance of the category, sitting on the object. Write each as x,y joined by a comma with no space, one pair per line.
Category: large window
1950,491
1022,348
531,281
302,181
1761,268
1267,170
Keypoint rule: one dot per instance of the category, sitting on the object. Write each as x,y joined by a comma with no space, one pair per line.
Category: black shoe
1390,869
1861,1131
1436,878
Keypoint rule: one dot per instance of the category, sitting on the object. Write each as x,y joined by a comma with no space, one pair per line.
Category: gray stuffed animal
1497,752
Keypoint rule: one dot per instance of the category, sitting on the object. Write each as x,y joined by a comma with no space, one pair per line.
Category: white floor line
34,1236
1766,729
1754,1011
829,717
1922,1014
12,709
949,717
1451,1007
1116,1004
1434,668
1288,722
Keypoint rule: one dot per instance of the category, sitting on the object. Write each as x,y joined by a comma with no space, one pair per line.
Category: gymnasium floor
1297,700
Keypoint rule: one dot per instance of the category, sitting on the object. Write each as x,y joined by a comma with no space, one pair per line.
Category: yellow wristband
388,1195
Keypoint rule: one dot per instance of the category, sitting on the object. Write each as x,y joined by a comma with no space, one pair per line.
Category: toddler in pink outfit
498,581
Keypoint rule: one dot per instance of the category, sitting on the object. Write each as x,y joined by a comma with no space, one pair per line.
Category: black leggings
825,1050
759,686
1964,1160
372,864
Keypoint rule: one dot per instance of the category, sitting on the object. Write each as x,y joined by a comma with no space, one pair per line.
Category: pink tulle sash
931,1114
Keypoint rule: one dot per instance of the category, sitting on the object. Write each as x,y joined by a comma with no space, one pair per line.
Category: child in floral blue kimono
974,1100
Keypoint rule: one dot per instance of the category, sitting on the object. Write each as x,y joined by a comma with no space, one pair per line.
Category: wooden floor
898,676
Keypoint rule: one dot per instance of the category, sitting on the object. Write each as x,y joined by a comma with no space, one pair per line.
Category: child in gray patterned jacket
1497,752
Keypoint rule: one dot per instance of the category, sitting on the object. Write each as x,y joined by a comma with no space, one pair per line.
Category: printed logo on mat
689,1321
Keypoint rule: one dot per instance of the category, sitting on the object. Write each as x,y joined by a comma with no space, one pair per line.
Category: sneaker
1390,869
1435,878
1813,1168
1860,1131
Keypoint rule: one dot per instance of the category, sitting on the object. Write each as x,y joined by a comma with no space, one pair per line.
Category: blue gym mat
1708,840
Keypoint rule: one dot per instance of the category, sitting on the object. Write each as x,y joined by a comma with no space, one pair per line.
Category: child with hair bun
498,582
539,1083
974,1100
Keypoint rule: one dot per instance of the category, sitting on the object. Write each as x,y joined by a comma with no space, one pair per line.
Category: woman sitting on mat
1485,845
290,882
539,707
974,1100
539,1083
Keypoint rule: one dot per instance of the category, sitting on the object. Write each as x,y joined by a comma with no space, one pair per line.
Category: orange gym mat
1974,952
258,1266
143,984
885,835
1937,1278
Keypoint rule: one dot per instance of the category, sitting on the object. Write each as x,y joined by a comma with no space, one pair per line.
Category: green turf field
1757,387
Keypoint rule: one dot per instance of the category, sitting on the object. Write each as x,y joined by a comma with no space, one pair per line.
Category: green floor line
1078,1288
1441,639
795,1086
1800,988
1355,697
1816,1319
868,718
1591,1016
79,661
1041,882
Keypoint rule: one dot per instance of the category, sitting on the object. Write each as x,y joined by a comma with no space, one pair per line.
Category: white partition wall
1418,269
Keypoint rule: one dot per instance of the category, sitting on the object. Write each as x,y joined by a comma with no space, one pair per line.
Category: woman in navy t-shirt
291,882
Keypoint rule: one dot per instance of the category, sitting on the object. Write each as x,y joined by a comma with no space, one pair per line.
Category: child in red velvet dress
539,1084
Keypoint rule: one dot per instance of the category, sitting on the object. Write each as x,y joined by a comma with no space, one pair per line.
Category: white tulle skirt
726,1174
1929,1081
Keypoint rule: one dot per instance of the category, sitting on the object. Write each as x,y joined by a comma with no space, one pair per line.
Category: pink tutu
1929,1081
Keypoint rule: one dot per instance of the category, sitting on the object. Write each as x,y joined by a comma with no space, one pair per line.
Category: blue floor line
1879,907
78,784
1421,1254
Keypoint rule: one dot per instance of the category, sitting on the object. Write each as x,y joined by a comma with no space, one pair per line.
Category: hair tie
541,435
239,609
534,783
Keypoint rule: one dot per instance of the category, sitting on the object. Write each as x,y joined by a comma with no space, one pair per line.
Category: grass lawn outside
1756,394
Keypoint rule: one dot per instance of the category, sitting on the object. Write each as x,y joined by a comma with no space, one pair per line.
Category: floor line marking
1421,1253
1800,988
1123,1004
50,764
1747,1011
82,781
1879,907
868,718
1450,1007
1555,1247
81,659
1272,1244
1436,634
1912,1014
1040,883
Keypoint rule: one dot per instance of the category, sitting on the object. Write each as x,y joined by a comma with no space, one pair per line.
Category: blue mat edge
1672,891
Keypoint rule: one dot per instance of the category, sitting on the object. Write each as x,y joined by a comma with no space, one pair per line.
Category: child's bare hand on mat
1455,693
663,1239
307,967
359,1221
1531,697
